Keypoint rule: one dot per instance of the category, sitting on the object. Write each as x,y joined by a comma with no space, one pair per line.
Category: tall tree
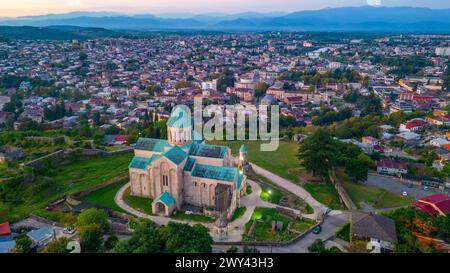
317,153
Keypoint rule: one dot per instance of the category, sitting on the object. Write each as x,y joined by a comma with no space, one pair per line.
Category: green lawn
181,215
105,196
325,194
263,229
344,232
139,203
373,196
58,181
271,194
238,213
283,161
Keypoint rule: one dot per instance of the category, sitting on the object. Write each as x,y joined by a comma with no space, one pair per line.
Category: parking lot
393,185
32,223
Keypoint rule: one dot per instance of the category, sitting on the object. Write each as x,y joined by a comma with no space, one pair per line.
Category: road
392,184
329,227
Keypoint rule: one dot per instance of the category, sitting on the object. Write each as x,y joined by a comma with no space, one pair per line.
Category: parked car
317,230
425,188
68,230
405,193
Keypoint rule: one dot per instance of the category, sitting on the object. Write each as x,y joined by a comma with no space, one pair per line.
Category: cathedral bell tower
179,126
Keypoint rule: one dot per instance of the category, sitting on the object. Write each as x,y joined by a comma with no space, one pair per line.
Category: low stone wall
256,243
66,156
348,202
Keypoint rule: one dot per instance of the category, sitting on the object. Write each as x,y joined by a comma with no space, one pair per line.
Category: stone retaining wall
256,243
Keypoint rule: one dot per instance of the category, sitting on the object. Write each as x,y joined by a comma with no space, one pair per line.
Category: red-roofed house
412,125
437,204
5,231
389,166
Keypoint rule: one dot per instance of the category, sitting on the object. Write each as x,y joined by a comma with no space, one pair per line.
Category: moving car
317,230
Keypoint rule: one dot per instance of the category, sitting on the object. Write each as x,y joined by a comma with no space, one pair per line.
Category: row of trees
312,77
93,225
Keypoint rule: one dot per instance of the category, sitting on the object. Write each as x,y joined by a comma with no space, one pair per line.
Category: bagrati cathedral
181,172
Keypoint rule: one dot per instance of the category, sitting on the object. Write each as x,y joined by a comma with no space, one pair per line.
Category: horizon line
208,12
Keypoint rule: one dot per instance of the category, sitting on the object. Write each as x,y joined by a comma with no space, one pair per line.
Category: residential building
392,167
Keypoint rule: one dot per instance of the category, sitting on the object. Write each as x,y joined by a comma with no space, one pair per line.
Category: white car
405,193
68,230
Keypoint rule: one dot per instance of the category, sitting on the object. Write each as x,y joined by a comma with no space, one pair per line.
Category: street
329,227
392,184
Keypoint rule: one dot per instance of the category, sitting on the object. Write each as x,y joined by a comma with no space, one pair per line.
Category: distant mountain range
349,19
55,33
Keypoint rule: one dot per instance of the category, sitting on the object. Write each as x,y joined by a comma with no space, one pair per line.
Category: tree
233,249
145,239
446,78
93,216
153,89
444,227
23,244
260,89
317,246
91,238
111,242
225,79
317,153
356,169
182,238
58,246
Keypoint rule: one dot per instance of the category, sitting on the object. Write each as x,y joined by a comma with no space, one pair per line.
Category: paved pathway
160,220
319,208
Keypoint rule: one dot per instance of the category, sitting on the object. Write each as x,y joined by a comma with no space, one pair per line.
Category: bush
58,246
233,249
91,238
93,216
23,244
111,242
317,247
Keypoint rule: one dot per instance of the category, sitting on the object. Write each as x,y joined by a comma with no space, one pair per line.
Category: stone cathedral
181,172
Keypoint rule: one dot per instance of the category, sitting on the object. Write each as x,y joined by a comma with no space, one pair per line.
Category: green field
344,232
271,194
283,161
105,196
373,196
238,213
55,182
325,194
139,203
